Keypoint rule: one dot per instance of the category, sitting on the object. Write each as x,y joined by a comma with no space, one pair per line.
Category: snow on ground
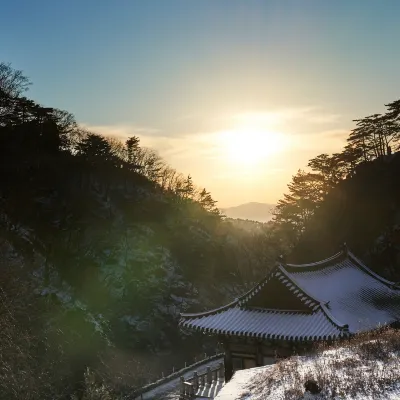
344,373
236,388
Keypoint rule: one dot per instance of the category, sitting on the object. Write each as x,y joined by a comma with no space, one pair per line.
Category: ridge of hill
254,211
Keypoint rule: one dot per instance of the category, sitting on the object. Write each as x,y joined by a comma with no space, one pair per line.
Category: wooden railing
138,394
190,386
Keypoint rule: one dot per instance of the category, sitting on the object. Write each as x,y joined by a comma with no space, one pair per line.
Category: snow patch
256,383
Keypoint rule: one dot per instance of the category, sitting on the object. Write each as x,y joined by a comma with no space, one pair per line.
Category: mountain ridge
253,210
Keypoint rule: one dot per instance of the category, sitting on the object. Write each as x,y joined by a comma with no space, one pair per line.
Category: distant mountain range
253,211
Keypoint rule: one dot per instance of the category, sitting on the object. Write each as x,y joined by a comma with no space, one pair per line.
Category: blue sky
179,72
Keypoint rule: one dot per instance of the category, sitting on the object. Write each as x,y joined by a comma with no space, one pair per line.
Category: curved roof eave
235,302
210,312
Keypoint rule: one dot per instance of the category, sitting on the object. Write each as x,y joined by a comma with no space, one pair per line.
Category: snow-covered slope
364,370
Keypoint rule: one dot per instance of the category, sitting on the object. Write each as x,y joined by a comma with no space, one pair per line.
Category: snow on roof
342,295
285,325
352,293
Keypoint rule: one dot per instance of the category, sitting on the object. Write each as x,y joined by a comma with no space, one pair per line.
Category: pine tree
306,192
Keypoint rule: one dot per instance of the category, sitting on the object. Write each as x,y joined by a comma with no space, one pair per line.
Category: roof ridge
332,319
295,284
321,263
320,304
255,289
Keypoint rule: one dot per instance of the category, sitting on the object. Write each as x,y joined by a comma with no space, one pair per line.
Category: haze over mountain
253,211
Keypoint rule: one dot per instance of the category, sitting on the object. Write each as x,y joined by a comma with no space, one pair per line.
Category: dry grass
366,366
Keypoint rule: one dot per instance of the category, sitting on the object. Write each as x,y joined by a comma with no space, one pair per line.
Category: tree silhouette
12,82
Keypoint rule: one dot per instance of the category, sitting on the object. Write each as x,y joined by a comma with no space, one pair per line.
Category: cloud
199,130
336,133
292,123
315,115
324,118
289,120
181,146
121,132
329,141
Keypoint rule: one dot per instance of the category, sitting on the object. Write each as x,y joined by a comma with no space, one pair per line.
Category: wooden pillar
228,361
195,381
220,370
209,376
259,354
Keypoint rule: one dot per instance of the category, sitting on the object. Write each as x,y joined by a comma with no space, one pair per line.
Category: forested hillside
352,196
103,244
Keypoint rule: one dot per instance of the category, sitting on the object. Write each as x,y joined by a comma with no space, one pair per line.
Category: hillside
253,211
102,245
362,210
366,368
121,254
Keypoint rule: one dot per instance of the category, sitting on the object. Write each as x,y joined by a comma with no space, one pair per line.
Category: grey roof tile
266,324
354,296
343,297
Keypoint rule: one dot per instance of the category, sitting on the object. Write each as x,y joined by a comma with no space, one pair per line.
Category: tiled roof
351,292
341,295
266,324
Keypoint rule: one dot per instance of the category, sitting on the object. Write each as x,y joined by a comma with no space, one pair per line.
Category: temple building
297,305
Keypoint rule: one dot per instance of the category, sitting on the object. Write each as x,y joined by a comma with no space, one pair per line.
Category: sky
239,94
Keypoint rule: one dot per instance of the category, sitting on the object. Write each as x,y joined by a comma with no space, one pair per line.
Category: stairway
203,379
203,386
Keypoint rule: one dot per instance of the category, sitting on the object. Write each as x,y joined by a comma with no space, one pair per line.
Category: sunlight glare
248,146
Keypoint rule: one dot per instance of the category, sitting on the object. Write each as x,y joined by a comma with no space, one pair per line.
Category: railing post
191,391
221,370
209,376
195,381
182,379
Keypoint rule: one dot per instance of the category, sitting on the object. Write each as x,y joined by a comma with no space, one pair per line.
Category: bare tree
12,82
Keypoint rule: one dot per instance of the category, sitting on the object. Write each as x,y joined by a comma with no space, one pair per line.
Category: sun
250,146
